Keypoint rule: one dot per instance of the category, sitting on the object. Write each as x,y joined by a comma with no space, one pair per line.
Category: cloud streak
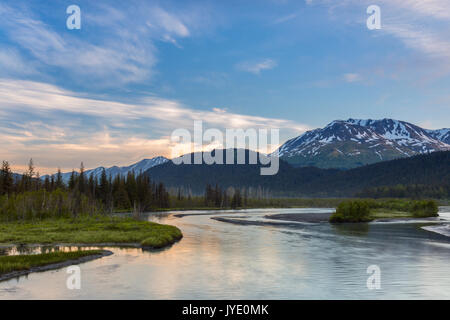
60,128
285,18
352,77
258,66
423,26
121,51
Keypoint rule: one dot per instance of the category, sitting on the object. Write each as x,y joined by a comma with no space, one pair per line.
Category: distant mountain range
342,144
138,167
427,172
352,143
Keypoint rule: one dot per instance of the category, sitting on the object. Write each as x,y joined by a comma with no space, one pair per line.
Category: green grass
26,262
381,213
89,230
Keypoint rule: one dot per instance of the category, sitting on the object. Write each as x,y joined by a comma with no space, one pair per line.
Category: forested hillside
430,171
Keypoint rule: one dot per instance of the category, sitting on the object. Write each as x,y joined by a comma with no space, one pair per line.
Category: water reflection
220,260
352,229
25,249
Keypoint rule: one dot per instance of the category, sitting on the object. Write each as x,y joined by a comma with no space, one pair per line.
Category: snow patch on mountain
365,138
114,171
441,134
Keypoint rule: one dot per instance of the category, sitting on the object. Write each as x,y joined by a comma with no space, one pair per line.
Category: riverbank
20,265
372,214
90,230
389,205
384,216
265,257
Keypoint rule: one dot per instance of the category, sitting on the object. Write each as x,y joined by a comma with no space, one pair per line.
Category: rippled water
220,260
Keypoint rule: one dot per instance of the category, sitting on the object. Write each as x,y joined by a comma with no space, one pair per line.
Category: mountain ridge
140,166
351,143
341,144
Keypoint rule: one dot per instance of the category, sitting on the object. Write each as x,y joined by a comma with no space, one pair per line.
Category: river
263,259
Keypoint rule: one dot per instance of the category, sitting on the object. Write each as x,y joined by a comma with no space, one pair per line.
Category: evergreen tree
82,180
217,197
225,201
92,185
120,195
28,176
209,195
52,183
47,183
131,187
6,179
59,181
236,202
72,181
103,188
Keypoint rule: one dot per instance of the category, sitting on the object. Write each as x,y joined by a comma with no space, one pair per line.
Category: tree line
414,191
220,198
29,196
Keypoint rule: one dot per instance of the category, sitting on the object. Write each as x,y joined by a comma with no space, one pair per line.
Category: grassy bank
89,230
368,210
27,262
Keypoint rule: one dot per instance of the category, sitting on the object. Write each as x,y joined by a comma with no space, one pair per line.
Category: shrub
351,211
424,208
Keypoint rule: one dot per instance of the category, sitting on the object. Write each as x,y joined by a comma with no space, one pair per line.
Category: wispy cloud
121,51
13,64
61,128
421,25
285,18
352,77
430,43
435,8
258,66
170,23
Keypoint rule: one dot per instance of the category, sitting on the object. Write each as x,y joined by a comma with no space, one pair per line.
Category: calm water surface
263,259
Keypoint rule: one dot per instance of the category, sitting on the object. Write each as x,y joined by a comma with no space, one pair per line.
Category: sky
112,92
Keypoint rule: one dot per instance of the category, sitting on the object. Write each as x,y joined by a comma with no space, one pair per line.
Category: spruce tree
82,180
59,181
6,179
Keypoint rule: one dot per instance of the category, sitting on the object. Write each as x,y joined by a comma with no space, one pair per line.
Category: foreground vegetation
368,210
49,211
26,262
89,230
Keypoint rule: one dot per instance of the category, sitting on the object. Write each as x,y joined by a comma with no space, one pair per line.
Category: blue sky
112,92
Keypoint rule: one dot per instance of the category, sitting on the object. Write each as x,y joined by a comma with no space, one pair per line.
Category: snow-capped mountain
138,167
441,134
351,143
